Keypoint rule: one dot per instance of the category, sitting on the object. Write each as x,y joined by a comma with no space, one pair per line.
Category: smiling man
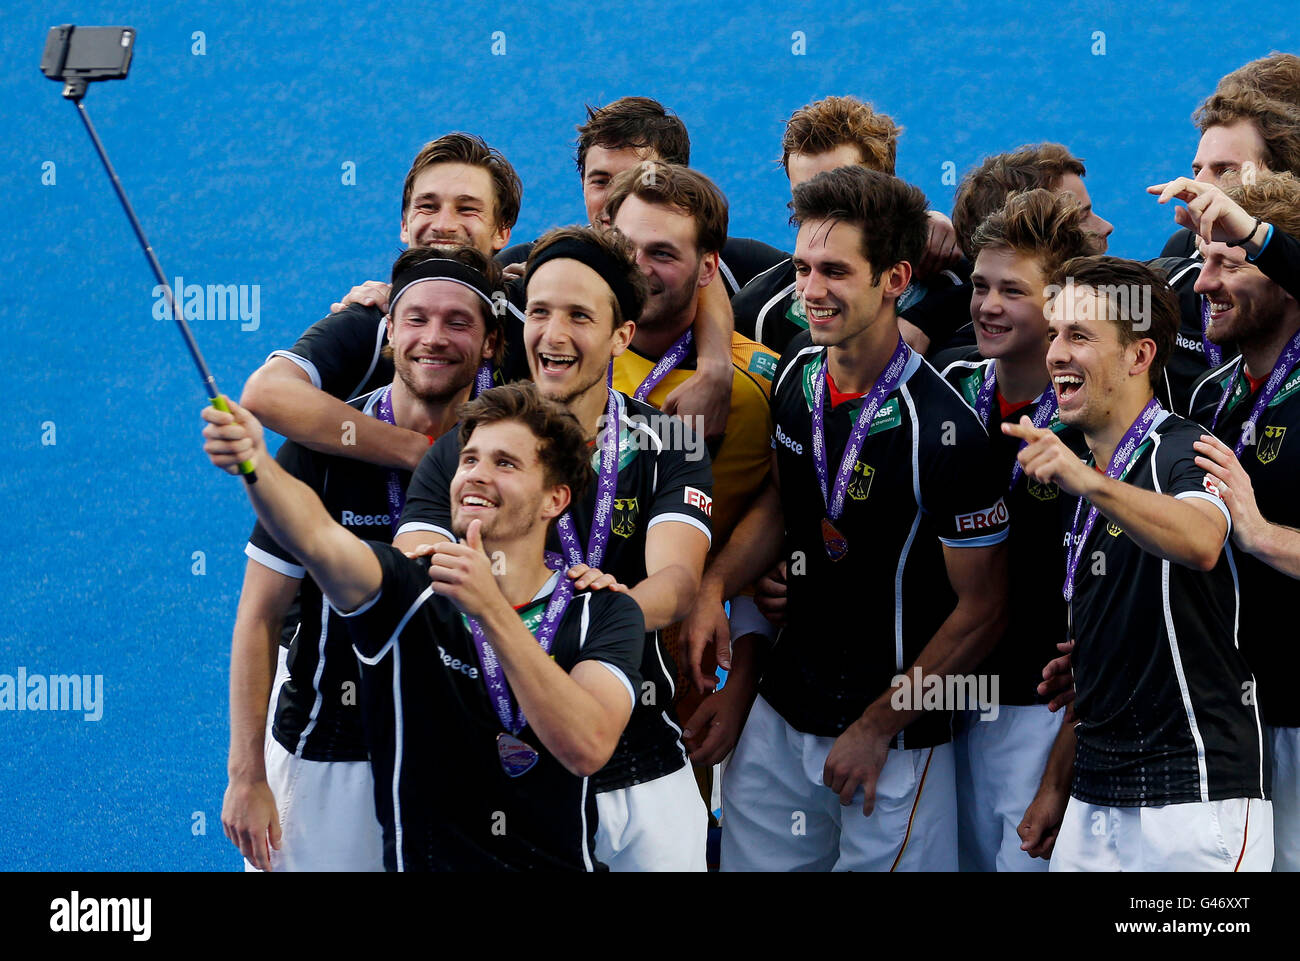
496,678
676,219
838,132
893,567
458,191
1252,403
645,523
1000,760
1166,769
1244,131
302,799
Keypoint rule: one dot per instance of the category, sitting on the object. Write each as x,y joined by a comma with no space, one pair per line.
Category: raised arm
1188,531
282,396
1214,216
345,568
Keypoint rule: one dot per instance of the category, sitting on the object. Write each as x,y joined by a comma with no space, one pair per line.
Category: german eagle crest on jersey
1042,492
625,512
1270,444
860,485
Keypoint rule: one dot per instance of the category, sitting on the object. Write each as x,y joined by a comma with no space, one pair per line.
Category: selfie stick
74,91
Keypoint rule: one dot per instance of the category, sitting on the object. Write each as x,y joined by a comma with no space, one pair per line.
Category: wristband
1242,242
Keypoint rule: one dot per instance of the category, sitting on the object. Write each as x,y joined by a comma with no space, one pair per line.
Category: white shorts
327,814
281,675
1000,763
746,619
779,816
658,825
1286,797
1230,835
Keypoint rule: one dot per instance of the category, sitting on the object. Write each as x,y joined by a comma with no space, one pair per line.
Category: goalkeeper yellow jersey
742,462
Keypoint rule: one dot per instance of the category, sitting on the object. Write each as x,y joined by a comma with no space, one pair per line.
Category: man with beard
645,523
1252,403
494,692
676,219
303,799
618,137
458,191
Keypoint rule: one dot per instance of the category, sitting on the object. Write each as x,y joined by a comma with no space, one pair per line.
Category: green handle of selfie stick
245,467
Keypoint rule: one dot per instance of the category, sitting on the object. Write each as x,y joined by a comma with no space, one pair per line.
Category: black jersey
769,311
343,353
1181,243
441,794
316,715
1187,361
1163,695
1273,464
741,260
1036,619
925,478
656,483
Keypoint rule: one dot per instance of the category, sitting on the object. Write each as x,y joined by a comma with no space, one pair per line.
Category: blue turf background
233,160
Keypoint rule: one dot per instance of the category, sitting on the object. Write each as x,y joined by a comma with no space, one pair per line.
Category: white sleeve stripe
1217,502
307,366
360,610
277,564
791,366
392,644
412,527
681,519
728,276
622,677
762,314
988,540
381,332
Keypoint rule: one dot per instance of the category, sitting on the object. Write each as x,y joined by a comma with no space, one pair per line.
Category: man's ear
1143,354
896,279
623,337
500,238
708,269
556,501
388,322
491,345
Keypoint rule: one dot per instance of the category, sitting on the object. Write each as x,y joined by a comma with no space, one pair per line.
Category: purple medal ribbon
1290,355
606,485
511,716
396,493
889,379
483,379
1119,462
1043,411
1213,352
667,364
